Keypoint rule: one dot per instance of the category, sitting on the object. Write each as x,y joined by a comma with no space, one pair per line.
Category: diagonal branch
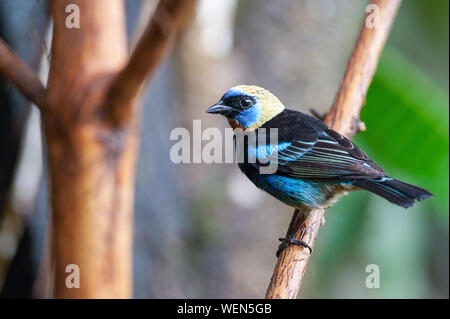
26,81
344,118
151,48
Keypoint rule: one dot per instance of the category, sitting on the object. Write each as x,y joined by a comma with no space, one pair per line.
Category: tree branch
151,48
26,81
344,118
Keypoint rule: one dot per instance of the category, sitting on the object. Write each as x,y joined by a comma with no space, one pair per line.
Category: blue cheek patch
249,116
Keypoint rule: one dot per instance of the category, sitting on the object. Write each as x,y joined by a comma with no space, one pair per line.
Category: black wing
307,148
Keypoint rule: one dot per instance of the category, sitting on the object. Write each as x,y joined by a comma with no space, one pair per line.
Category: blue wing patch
328,156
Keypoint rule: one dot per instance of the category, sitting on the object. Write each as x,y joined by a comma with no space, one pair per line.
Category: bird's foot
285,242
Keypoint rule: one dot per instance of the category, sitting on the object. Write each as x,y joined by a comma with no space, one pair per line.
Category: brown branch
151,48
91,169
26,81
344,118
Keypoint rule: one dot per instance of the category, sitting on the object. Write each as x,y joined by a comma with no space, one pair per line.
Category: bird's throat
235,124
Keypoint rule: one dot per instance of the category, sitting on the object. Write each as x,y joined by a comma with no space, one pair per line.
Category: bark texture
89,116
344,118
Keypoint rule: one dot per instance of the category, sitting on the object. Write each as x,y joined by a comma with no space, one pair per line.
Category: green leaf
406,115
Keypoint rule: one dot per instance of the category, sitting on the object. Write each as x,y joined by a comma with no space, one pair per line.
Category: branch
26,81
150,50
344,118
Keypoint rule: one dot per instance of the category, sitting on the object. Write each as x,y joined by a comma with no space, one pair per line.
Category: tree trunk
89,115
91,166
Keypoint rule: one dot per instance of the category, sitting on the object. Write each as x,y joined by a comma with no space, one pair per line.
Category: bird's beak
219,108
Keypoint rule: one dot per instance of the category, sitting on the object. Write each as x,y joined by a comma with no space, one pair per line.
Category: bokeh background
204,231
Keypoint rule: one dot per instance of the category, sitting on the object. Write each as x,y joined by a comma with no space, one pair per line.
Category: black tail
396,192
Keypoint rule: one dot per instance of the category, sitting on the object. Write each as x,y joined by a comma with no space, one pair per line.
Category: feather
316,151
395,191
314,164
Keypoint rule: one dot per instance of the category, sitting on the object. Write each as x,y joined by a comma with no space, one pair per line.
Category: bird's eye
246,102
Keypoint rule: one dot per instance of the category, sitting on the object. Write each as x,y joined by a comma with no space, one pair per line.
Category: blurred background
204,231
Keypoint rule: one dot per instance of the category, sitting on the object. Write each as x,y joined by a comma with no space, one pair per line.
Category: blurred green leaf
337,241
407,126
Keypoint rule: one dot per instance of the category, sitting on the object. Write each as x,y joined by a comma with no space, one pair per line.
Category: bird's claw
285,242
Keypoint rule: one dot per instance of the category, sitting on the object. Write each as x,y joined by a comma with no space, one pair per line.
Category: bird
315,165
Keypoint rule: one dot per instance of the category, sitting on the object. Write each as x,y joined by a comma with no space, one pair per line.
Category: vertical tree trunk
89,115
91,166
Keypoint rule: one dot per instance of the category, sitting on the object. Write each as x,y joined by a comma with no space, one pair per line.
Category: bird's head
247,107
